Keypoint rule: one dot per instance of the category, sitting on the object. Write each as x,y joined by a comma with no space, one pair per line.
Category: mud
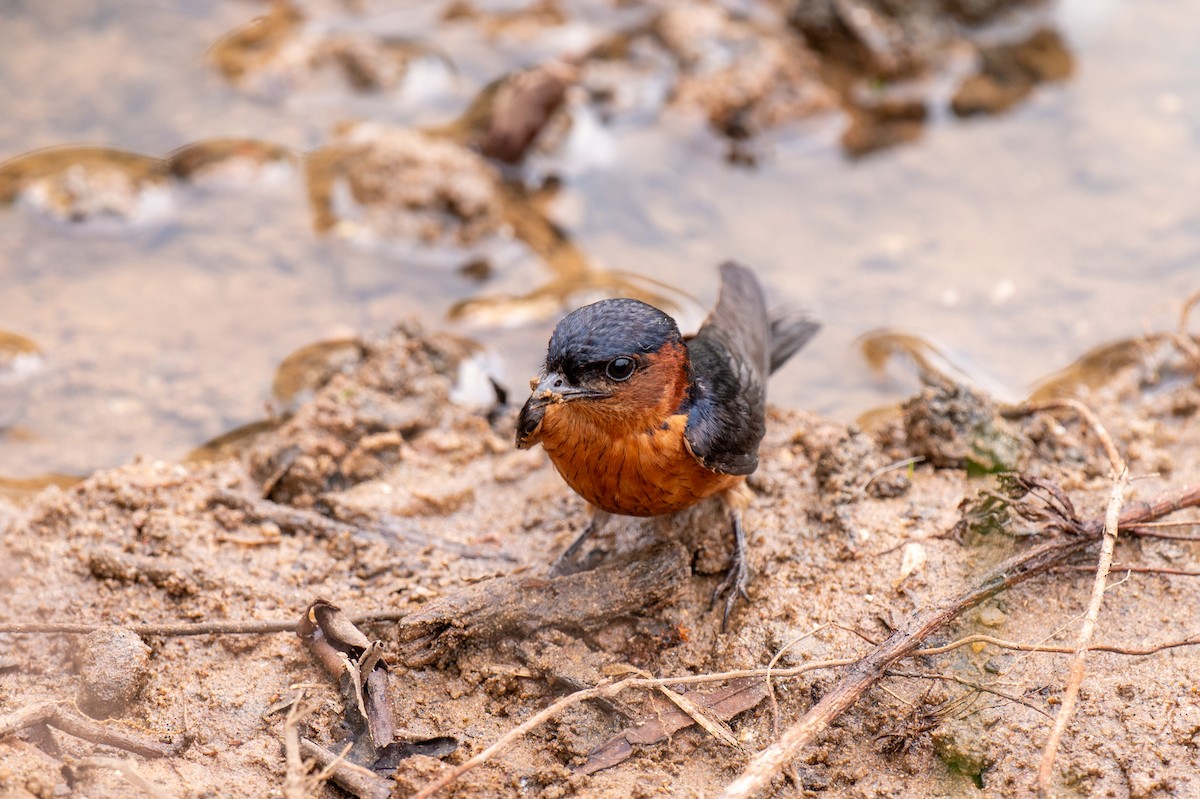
448,524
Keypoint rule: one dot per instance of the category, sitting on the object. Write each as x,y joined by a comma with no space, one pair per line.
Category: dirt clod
113,665
957,427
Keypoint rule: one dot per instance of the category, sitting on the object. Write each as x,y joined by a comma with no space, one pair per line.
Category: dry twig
974,686
1183,339
1112,522
129,770
296,783
59,716
222,627
359,781
1191,640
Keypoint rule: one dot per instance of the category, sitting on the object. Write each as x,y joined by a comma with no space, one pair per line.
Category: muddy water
1014,243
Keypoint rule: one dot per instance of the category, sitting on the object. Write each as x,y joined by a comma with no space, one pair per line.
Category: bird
640,420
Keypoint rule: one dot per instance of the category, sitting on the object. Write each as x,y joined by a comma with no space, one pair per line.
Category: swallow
642,421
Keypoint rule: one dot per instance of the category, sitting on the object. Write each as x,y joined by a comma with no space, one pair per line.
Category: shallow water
1016,243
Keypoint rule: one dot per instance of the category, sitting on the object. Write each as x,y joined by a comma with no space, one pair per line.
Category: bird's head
616,363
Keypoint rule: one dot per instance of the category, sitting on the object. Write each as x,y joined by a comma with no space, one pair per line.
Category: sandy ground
383,495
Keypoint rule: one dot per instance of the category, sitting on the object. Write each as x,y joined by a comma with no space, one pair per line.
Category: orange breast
645,472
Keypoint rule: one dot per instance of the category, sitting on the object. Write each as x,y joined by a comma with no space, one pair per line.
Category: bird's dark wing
790,331
731,360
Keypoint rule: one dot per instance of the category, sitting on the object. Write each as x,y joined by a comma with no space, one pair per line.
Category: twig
1089,417
296,782
972,685
771,665
767,763
72,722
710,723
224,627
1183,339
606,690
1122,567
1112,523
129,770
1079,658
921,624
297,521
1191,640
1141,533
359,781
891,467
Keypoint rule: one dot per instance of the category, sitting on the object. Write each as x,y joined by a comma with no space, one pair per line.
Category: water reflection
933,363
20,361
284,50
87,184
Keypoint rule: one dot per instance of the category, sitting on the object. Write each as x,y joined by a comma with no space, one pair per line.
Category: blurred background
204,207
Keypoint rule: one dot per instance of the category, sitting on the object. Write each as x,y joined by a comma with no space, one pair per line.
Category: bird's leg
737,579
566,563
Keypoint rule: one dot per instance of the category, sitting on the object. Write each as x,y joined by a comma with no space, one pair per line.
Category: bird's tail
790,331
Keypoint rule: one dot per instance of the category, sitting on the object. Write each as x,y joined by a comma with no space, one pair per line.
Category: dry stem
129,770
224,627
1112,521
72,722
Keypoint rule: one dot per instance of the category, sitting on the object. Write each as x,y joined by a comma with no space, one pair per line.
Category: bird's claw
736,581
574,565
569,561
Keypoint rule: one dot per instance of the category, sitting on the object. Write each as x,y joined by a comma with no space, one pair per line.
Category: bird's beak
552,388
548,389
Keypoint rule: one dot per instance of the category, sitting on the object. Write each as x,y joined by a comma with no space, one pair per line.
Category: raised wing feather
731,360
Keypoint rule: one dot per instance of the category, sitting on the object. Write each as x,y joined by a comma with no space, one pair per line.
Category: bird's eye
620,369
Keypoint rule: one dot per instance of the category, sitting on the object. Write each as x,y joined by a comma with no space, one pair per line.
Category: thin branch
1183,338
972,685
767,763
1191,640
891,467
296,783
1143,533
1121,567
768,675
72,722
129,770
359,781
223,627
1108,543
603,690
1079,658
1089,417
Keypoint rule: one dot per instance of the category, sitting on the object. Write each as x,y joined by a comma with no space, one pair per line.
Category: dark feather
790,331
732,355
730,364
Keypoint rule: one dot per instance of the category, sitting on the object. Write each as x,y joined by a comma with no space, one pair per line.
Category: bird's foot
568,562
737,579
